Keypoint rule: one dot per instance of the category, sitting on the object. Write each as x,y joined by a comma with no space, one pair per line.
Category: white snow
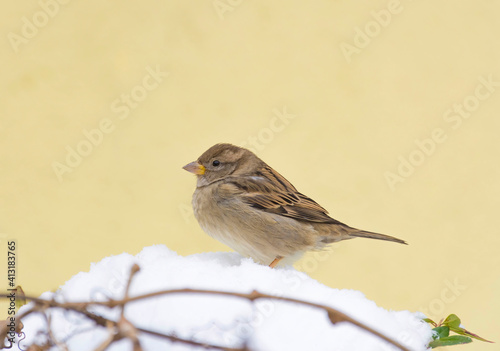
265,325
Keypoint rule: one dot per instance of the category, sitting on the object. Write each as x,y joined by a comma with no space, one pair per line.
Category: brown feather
269,191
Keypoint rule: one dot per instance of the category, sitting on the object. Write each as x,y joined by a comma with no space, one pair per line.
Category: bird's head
221,161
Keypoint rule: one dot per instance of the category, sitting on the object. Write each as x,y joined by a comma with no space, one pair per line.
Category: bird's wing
269,191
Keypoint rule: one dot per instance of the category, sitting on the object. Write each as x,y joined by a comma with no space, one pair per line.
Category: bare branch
124,329
59,344
334,315
112,337
135,268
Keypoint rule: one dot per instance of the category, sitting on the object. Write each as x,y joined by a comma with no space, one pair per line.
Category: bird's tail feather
371,235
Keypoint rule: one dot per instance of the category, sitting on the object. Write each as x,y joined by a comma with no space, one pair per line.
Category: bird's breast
249,231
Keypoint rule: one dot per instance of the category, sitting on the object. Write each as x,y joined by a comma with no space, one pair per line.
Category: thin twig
59,344
112,337
135,268
334,315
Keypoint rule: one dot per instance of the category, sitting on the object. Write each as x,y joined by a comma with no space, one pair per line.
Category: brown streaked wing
268,191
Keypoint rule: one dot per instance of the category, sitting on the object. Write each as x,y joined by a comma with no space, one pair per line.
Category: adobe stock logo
448,294
122,106
38,20
223,6
265,136
364,35
454,117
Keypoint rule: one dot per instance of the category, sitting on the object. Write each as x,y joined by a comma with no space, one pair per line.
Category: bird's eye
216,163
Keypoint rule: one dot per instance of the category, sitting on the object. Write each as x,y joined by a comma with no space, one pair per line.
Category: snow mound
263,325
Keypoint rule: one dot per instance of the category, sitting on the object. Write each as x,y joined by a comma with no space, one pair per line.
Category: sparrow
244,203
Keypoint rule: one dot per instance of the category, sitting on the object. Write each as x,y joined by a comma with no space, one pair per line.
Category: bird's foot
275,262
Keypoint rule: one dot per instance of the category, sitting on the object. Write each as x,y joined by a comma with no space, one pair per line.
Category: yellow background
230,69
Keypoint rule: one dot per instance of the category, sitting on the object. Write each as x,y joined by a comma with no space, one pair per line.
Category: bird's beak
195,167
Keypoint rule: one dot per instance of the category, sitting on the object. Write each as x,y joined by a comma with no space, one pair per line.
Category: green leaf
449,341
463,331
441,332
452,321
430,321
